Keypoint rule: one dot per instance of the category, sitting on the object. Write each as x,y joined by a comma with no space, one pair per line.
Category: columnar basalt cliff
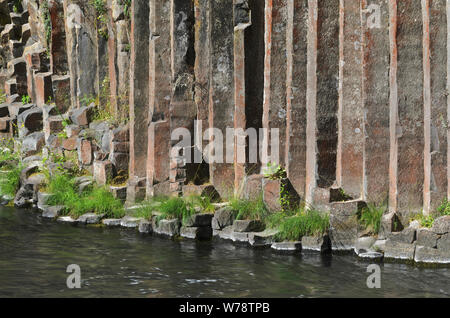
358,90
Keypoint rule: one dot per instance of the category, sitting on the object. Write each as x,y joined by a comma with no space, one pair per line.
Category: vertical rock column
349,169
221,107
58,38
81,41
115,13
297,29
139,97
375,92
408,139
242,20
160,94
435,90
182,106
275,72
322,96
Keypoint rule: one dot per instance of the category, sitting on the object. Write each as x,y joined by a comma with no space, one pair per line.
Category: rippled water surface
34,255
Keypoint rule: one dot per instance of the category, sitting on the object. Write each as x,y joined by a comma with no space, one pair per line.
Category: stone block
400,251
83,115
428,238
196,233
248,226
85,153
426,254
320,244
103,172
169,228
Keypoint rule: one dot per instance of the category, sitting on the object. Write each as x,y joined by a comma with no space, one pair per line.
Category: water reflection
34,255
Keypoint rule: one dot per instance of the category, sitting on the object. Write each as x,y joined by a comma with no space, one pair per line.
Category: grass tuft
371,217
94,200
294,227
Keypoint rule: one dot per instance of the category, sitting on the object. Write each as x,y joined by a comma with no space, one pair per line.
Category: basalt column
81,40
322,96
349,170
254,76
296,94
375,92
221,97
435,91
275,72
160,94
139,97
182,105
242,20
409,118
202,80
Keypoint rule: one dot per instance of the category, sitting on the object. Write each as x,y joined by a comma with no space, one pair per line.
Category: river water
35,253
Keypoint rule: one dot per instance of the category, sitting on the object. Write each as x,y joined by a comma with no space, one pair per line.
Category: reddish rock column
275,72
410,129
58,38
242,21
435,44
221,115
182,106
160,91
297,29
139,96
375,91
349,169
322,96
202,64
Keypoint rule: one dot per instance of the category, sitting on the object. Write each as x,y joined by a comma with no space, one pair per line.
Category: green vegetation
102,17
17,6
93,200
428,220
26,99
176,208
371,217
126,7
292,226
2,96
45,12
249,209
10,180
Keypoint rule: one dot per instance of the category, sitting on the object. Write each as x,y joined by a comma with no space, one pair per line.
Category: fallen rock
90,218
112,222
344,224
426,237
169,228
203,233
371,256
364,245
66,219
224,234
262,239
287,247
130,222
223,217
145,227
199,220
426,254
248,226
83,115
400,251
33,143
320,244
407,236
240,237
441,225
444,243
52,212
43,199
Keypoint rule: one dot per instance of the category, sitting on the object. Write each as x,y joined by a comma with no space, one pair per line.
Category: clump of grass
147,208
176,208
371,217
10,181
425,220
94,200
306,223
444,208
203,202
249,209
